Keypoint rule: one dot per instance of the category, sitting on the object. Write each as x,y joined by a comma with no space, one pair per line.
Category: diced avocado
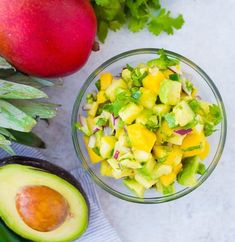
124,172
105,169
130,112
98,135
165,190
183,113
107,144
161,152
147,98
93,110
161,170
170,92
161,109
130,163
141,155
126,75
176,139
114,86
143,116
114,164
187,177
133,185
201,169
144,180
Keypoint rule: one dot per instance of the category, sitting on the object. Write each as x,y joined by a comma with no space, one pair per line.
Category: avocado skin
47,167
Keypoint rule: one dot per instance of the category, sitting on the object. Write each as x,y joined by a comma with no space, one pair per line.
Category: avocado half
40,201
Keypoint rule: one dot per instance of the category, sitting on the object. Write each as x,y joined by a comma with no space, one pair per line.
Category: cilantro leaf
98,85
215,115
163,62
101,122
137,14
102,30
152,123
209,129
165,23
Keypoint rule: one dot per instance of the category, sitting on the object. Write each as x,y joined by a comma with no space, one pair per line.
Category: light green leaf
4,141
4,64
6,133
13,118
11,90
8,149
36,109
41,81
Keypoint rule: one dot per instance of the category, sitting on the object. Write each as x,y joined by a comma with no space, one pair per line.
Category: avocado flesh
14,177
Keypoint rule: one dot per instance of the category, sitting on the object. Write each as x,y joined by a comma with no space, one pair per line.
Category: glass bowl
207,91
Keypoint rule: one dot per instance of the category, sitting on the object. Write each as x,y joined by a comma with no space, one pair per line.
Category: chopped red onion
116,154
95,129
183,131
174,69
86,107
107,130
82,120
92,141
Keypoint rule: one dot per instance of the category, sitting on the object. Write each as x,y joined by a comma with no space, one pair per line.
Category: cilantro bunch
137,14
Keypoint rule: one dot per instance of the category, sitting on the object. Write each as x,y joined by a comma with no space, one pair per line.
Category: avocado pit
41,208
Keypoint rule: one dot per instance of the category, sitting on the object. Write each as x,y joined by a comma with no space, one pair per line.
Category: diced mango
205,150
194,92
93,156
140,137
193,144
101,98
152,82
119,132
164,132
177,168
174,157
105,80
93,110
166,180
147,98
130,112
105,169
167,73
160,151
90,122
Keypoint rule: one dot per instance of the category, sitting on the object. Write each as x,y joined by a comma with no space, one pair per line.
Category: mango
101,98
93,156
152,82
166,180
46,38
105,80
205,150
193,144
140,137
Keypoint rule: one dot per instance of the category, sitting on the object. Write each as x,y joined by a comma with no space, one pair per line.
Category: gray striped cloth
99,229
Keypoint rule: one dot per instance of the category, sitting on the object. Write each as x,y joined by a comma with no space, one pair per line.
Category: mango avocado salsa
149,127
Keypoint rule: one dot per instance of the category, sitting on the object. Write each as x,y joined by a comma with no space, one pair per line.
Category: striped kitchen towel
99,229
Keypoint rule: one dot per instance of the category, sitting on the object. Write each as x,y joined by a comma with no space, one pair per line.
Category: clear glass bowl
207,91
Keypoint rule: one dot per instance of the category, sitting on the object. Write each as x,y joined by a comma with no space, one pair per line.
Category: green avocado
19,211
170,92
187,177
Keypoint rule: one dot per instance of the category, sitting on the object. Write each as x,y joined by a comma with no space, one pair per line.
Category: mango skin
48,38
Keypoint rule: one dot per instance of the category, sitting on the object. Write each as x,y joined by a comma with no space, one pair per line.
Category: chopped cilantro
137,77
214,115
163,62
152,123
196,147
174,77
101,122
113,14
209,129
135,93
96,150
90,98
97,84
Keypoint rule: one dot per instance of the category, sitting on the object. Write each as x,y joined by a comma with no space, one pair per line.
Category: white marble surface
207,214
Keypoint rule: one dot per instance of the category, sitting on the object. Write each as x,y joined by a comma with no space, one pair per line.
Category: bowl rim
157,199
